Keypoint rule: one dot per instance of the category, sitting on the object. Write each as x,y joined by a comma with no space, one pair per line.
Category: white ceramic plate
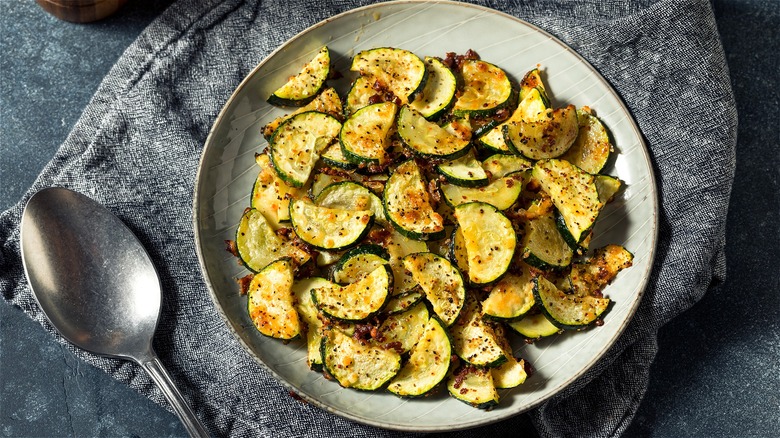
227,172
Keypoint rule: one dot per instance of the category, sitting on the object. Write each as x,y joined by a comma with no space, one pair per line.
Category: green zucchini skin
302,88
258,245
359,262
298,142
357,301
535,326
309,314
486,89
464,171
329,228
490,241
438,95
565,311
408,205
400,71
365,367
428,363
474,386
544,247
427,139
591,150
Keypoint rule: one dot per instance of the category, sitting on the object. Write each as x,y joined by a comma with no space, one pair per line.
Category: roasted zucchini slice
501,193
349,195
568,311
543,245
489,238
408,204
600,269
486,89
474,386
592,147
402,330
534,326
399,246
439,92
403,301
327,102
258,245
270,301
333,156
457,253
441,282
511,298
428,363
359,262
547,137
533,80
397,70
271,195
356,364
511,373
366,134
309,314
427,139
297,144
530,109
360,94
320,180
356,301
465,171
501,165
607,187
475,339
304,86
573,192
329,228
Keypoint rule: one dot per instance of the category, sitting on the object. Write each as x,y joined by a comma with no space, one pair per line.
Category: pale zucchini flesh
408,204
270,301
547,137
356,301
329,228
474,386
568,311
428,363
501,165
511,298
591,150
441,282
573,192
486,88
530,109
355,364
349,195
306,84
398,70
258,245
359,262
543,245
489,238
427,139
309,314
474,339
535,326
271,195
403,330
464,171
501,193
365,135
297,144
439,91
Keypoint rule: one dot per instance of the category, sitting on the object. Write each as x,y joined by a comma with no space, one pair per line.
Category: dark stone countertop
718,369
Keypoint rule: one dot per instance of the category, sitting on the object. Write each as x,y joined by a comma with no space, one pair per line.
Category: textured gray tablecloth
137,145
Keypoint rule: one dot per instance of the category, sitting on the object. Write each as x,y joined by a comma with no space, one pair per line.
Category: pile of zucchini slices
409,229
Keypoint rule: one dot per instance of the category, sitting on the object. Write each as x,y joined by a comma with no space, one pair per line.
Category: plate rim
653,197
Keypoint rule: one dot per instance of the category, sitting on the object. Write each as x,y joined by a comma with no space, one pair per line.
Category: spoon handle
157,371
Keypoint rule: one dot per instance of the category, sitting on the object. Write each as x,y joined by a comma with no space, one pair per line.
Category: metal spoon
96,284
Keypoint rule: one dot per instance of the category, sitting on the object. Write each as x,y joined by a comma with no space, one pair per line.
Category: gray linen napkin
137,145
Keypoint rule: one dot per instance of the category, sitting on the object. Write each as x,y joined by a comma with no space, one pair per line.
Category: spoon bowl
96,283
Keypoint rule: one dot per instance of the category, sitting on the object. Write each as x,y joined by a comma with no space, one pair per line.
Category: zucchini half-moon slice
408,204
297,144
568,311
304,86
258,245
441,282
489,238
439,92
270,301
428,363
427,139
486,89
329,228
356,301
398,70
355,364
